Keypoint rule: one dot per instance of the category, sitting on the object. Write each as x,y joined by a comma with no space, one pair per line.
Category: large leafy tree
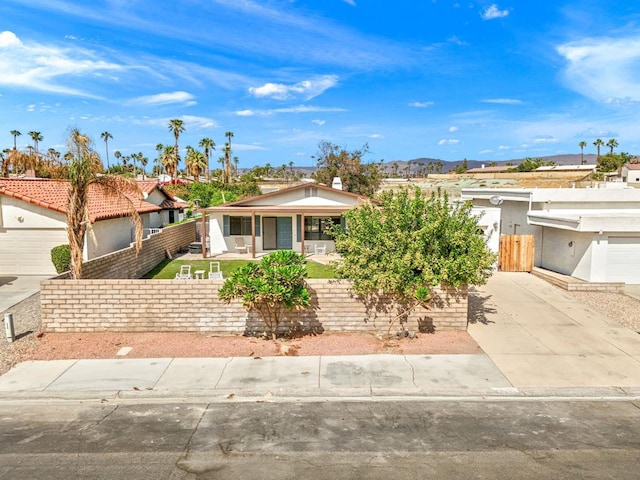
84,165
409,243
610,162
334,161
270,287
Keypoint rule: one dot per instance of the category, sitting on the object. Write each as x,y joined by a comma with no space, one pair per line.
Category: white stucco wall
111,235
567,252
332,198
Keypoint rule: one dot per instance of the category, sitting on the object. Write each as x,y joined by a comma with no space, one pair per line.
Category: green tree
529,164
36,137
196,162
611,162
106,136
409,243
582,144
208,144
612,143
462,168
15,134
598,143
334,161
271,287
176,126
83,168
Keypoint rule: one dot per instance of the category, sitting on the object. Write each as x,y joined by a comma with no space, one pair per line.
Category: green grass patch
167,269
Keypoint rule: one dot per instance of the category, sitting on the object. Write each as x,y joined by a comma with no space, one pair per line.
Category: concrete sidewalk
313,376
14,289
540,336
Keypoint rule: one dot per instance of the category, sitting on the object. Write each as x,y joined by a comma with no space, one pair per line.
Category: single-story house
33,221
589,233
630,173
293,218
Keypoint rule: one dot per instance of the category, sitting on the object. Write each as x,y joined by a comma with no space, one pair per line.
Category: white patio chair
321,249
241,247
214,271
184,273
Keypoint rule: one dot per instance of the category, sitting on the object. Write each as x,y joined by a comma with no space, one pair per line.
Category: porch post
302,234
203,236
253,234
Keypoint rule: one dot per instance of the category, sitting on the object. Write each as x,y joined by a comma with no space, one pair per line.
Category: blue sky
412,78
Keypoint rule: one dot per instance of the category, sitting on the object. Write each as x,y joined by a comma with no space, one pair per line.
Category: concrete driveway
15,288
539,336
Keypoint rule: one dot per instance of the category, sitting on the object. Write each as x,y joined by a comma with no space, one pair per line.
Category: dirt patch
52,346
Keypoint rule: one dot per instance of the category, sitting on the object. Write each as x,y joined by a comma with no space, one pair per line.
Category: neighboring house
630,173
293,218
33,220
172,209
568,168
589,233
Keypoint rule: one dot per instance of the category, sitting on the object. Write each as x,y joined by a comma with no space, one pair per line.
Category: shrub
270,287
61,258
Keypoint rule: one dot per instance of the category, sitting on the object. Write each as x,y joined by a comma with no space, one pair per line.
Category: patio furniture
241,246
321,249
198,275
184,273
214,271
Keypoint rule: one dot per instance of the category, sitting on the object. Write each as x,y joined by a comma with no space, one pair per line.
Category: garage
623,259
28,252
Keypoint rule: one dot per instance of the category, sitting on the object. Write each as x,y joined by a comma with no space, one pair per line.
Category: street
262,439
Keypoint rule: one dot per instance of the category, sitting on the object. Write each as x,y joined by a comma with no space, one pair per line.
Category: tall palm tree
167,159
598,143
612,143
208,144
15,134
36,137
196,162
177,127
106,136
83,180
582,144
227,157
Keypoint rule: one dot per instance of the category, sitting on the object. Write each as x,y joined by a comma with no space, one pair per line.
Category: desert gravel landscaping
32,344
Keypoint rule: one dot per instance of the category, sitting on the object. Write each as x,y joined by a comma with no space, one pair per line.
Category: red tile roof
54,195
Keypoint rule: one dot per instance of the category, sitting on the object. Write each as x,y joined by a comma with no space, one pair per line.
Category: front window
240,225
315,228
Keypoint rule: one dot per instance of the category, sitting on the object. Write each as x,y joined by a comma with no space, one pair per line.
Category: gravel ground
33,345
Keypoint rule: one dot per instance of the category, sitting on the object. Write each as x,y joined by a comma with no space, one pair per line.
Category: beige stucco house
293,218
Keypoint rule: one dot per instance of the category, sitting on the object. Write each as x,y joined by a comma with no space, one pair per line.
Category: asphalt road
482,439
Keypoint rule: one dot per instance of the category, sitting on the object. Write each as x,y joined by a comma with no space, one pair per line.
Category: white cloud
298,109
190,122
420,104
492,11
47,68
603,69
502,101
164,98
503,147
319,122
448,141
243,147
375,135
485,151
453,128
350,2
306,89
544,139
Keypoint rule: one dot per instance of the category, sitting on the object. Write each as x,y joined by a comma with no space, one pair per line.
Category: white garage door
623,259
28,252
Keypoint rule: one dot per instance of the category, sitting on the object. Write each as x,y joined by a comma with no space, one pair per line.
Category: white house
591,234
33,221
293,218
630,173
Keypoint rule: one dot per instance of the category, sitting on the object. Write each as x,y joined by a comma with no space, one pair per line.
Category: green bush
61,257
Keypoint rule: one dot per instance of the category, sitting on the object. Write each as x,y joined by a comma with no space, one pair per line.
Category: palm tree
167,159
598,143
582,144
227,158
177,127
196,162
117,154
612,143
15,134
106,136
83,180
36,137
208,144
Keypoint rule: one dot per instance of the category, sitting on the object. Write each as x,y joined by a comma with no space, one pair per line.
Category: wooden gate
516,253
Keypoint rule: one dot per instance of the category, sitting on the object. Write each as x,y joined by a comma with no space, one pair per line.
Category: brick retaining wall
193,306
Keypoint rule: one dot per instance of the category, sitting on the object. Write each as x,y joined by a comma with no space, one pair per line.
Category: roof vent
337,183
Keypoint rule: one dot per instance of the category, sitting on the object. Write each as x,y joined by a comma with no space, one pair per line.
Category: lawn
167,269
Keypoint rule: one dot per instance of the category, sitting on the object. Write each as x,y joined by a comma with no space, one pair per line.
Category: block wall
125,305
